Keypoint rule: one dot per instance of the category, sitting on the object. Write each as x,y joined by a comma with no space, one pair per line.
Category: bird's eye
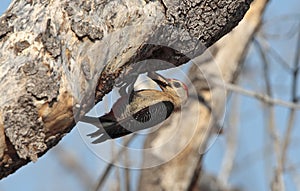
177,84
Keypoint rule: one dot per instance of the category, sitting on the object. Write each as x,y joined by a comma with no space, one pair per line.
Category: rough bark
55,54
199,122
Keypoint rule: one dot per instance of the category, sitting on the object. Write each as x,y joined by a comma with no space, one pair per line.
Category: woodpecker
140,109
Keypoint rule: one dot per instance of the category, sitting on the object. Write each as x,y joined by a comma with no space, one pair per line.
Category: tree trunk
195,125
60,57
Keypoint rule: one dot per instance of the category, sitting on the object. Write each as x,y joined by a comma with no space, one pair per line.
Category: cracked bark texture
55,54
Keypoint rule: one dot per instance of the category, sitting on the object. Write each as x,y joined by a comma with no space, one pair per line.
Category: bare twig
275,54
279,59
255,156
262,97
291,119
231,144
110,165
277,182
127,170
281,35
197,174
198,168
293,169
116,184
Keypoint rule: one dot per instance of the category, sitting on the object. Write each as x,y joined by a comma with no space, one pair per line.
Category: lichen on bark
22,123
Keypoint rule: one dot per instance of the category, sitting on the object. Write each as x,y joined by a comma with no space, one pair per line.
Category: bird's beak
160,80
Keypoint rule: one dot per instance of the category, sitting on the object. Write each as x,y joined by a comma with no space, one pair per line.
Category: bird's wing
143,119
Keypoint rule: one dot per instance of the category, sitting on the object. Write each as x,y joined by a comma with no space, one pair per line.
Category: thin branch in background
296,179
281,35
293,170
266,69
109,167
292,112
271,51
127,170
255,156
69,161
231,144
116,184
277,182
198,168
196,174
279,59
261,97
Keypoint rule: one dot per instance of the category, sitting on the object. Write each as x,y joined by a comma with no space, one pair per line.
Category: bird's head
172,86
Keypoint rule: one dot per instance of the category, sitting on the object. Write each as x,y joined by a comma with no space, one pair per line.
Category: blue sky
4,5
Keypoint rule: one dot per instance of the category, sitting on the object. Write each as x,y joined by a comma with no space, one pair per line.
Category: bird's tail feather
103,137
97,133
100,133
